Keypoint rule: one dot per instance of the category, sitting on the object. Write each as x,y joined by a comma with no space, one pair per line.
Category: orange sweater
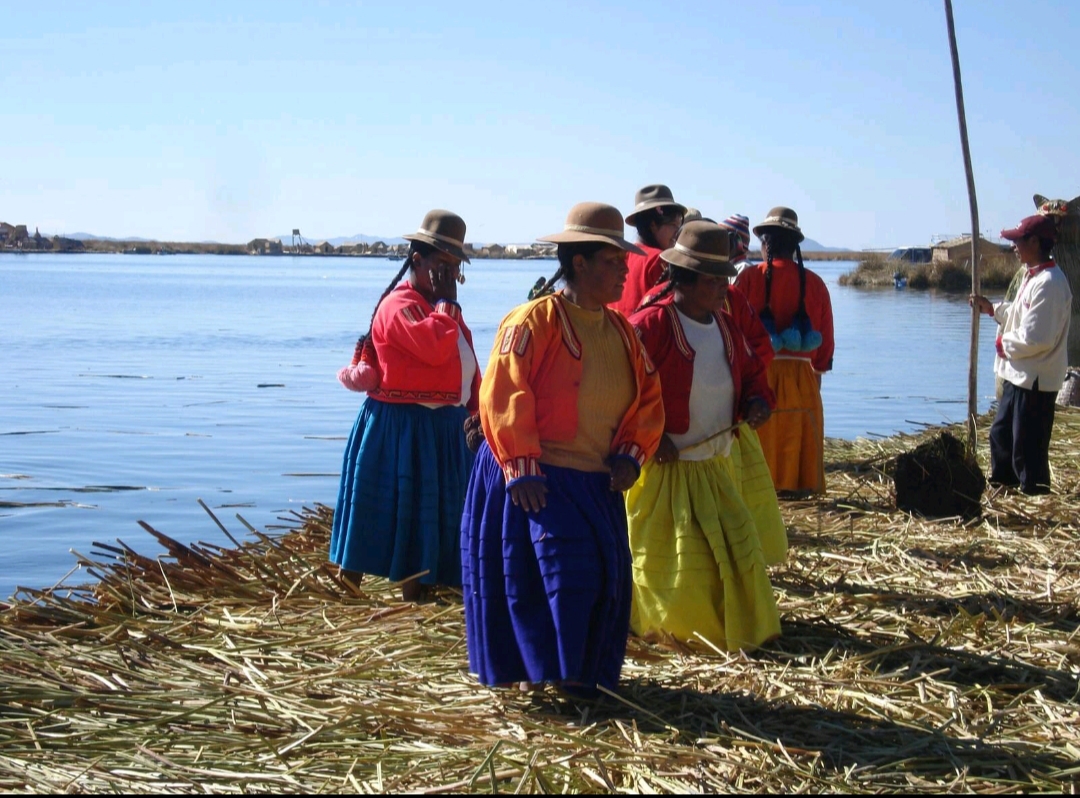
529,391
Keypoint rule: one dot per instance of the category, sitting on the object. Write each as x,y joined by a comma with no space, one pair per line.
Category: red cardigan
417,349
644,274
749,324
662,334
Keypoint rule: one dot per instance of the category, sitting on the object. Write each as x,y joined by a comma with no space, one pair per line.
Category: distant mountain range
808,245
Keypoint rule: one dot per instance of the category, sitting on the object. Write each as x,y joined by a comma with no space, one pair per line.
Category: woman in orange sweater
407,464
571,410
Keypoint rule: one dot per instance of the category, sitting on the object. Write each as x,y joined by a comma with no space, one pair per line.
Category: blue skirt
403,482
547,594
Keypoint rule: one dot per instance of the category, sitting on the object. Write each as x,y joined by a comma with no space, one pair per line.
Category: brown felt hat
443,230
655,196
782,218
702,247
593,221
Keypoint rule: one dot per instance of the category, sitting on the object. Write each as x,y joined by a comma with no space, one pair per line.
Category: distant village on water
17,238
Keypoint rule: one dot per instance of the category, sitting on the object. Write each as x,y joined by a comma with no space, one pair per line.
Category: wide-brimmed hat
783,219
1040,225
443,230
593,221
691,215
702,247
655,196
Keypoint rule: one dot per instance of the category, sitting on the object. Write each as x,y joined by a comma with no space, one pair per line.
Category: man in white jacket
1031,359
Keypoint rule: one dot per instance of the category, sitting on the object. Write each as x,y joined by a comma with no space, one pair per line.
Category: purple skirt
547,594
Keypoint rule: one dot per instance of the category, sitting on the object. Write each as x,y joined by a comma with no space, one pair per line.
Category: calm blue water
132,385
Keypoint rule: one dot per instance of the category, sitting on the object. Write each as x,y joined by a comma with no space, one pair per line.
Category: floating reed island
916,656
877,271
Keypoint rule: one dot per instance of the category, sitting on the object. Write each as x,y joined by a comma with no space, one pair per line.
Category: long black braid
781,244
417,247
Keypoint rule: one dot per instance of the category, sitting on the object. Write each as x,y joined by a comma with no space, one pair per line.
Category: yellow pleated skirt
698,567
751,475
793,439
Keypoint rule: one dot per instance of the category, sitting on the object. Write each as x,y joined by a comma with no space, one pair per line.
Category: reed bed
916,656
877,271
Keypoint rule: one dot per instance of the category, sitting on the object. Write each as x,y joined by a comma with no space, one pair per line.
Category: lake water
130,386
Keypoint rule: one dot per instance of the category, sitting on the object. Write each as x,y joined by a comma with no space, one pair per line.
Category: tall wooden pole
973,355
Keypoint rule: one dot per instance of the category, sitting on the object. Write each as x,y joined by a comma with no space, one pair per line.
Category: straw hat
593,221
702,247
443,230
655,196
782,218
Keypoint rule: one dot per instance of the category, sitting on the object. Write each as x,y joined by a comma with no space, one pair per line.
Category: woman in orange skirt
795,307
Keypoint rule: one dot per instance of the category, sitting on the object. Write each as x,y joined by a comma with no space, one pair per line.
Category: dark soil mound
937,480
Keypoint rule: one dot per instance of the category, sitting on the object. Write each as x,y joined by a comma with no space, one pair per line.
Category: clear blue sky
230,120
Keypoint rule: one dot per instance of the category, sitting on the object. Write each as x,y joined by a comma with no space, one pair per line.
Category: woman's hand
623,474
758,412
529,495
982,303
444,281
666,452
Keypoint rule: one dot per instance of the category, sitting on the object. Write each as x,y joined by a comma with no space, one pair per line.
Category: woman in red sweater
699,569
795,307
406,465
657,217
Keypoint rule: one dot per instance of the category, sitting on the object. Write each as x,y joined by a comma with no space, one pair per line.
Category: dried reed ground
916,655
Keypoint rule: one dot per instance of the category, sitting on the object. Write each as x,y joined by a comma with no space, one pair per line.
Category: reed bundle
915,656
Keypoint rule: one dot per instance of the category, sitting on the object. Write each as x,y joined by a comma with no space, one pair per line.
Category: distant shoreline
59,245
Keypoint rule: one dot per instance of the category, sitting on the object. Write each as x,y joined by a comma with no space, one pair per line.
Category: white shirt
1035,331
712,393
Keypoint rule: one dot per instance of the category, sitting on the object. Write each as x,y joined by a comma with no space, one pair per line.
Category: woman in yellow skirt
699,571
795,307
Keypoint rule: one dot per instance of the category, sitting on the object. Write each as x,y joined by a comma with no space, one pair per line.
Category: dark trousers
1020,438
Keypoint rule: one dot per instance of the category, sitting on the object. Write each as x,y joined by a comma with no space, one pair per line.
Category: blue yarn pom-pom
777,342
791,339
811,341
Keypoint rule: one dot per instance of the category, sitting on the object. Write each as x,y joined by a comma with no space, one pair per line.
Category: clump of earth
938,479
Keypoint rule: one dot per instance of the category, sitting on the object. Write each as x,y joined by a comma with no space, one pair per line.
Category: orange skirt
793,439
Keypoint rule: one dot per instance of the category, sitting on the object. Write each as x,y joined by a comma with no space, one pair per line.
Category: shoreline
914,654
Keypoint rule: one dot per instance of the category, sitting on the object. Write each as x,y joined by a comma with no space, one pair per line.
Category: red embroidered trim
633,450
518,467
418,396
680,333
568,335
523,338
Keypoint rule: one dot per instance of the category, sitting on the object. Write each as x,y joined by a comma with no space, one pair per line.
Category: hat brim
651,204
772,226
442,246
1012,235
578,237
686,261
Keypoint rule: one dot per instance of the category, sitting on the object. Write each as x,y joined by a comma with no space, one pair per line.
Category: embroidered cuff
522,468
450,308
632,451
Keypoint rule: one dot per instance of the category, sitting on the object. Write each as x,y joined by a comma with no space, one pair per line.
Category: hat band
599,231
438,237
700,255
780,220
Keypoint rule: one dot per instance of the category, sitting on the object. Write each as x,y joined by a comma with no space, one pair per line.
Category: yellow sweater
606,391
